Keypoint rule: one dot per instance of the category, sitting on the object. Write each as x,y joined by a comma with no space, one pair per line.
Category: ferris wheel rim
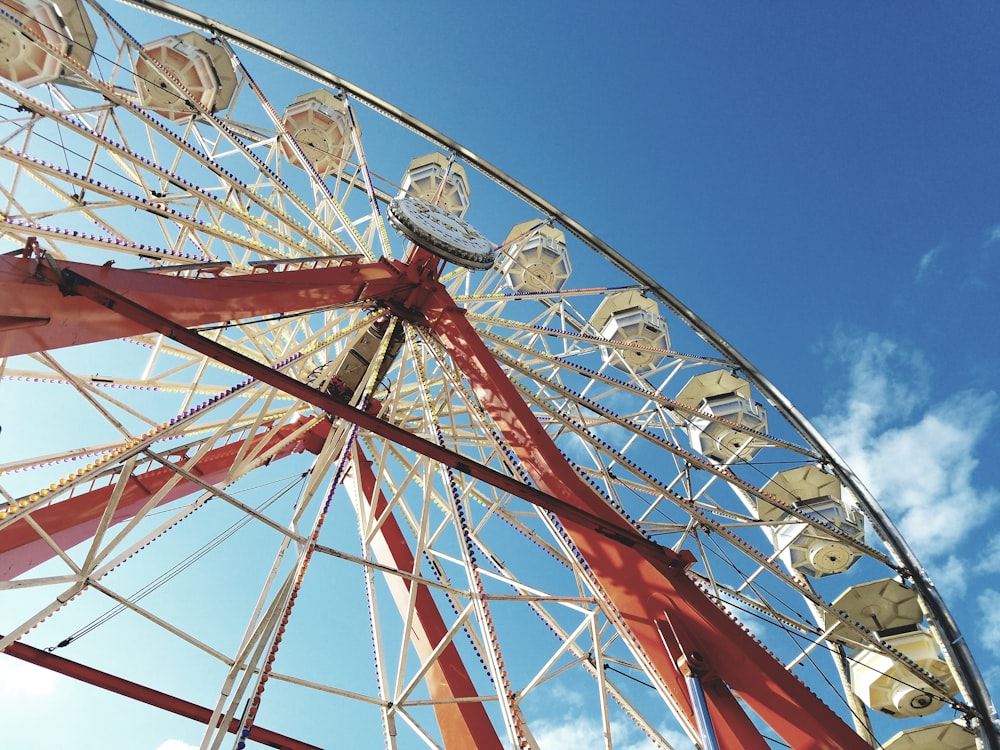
698,325
909,562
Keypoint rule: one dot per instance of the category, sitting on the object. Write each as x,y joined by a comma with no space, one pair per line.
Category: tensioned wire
185,563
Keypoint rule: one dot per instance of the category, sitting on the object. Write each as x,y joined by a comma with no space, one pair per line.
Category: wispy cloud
993,234
176,745
924,265
989,621
989,557
916,455
29,679
559,694
952,577
574,727
582,732
979,265
569,735
968,262
885,382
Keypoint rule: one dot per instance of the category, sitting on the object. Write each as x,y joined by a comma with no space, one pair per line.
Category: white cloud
176,745
578,729
558,694
991,674
29,679
993,234
989,556
951,577
582,733
924,264
989,621
678,740
886,382
916,456
572,735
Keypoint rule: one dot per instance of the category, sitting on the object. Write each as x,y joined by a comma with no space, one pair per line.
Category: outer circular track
974,685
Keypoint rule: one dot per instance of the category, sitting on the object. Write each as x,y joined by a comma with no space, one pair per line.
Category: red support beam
76,518
462,725
611,526
36,316
645,582
646,588
145,694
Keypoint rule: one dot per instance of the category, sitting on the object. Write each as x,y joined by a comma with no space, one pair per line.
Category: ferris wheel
321,431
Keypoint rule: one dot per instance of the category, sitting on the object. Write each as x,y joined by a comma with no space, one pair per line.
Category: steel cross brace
462,724
75,519
645,585
145,694
85,282
641,579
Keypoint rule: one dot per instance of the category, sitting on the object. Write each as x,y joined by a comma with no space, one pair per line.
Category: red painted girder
462,725
144,694
633,570
76,518
645,588
36,316
612,527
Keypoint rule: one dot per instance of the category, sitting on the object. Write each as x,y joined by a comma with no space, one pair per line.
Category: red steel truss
673,623
462,724
75,519
145,694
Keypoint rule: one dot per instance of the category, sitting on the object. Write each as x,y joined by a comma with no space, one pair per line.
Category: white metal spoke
175,146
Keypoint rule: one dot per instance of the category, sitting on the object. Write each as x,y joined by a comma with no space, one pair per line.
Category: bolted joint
692,664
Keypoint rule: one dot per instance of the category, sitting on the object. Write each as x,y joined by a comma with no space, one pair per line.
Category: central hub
442,233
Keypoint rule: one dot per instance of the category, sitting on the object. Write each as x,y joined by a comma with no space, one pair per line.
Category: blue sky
835,165
819,183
